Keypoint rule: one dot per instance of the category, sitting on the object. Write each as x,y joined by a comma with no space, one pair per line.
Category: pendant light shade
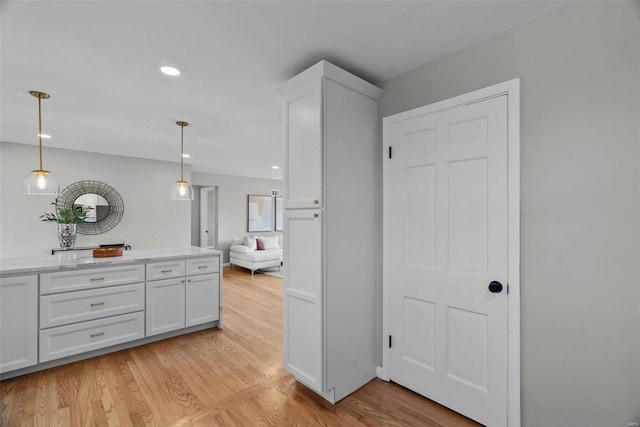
181,190
40,181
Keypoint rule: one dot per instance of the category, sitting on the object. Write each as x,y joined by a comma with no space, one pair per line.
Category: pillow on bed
241,249
250,241
269,242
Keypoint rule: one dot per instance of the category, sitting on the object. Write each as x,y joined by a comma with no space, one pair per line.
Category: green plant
66,216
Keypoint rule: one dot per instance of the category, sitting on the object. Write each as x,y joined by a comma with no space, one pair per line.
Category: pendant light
40,181
181,190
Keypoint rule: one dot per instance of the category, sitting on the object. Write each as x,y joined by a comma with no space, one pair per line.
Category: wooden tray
107,252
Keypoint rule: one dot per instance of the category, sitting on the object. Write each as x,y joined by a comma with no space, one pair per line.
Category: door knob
495,287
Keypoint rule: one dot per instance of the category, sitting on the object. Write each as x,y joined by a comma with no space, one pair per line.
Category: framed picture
279,213
260,213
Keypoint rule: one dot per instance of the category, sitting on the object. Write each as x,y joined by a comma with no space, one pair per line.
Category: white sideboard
62,308
331,230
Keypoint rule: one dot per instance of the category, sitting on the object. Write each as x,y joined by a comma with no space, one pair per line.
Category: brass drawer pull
202,267
98,334
315,202
188,280
97,304
166,271
315,215
97,279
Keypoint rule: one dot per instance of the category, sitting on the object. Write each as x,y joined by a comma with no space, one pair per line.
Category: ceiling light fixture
40,181
275,167
186,156
181,190
170,71
45,136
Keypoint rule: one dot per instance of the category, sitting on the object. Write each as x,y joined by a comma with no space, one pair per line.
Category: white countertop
85,259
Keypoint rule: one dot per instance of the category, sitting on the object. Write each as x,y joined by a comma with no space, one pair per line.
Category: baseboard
226,264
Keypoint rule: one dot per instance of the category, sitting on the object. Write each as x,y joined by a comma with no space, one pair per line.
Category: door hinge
389,341
390,152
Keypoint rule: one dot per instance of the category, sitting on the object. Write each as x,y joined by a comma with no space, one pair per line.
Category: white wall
580,134
232,203
150,218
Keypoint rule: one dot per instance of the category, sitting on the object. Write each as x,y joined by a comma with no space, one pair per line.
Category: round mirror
106,205
96,206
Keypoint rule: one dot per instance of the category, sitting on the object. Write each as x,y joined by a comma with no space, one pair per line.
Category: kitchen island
66,307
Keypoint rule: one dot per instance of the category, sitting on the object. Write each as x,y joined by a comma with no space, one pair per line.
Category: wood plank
226,377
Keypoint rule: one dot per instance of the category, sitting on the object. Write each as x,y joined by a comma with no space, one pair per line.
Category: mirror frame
116,206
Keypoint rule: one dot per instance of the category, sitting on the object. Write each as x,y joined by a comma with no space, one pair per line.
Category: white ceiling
99,61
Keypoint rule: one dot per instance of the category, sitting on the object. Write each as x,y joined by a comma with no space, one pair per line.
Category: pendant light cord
40,128
181,152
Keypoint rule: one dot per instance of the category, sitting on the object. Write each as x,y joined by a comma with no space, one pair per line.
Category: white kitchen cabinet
303,175
302,305
79,306
56,310
18,322
331,231
165,305
74,280
81,337
201,299
86,310
183,301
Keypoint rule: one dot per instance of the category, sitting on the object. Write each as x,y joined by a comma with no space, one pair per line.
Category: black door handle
495,287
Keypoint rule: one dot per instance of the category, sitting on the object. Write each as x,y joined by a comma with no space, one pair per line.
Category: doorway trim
510,88
206,193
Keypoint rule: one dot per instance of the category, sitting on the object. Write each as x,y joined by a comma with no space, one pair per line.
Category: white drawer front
64,341
202,265
79,306
165,270
64,281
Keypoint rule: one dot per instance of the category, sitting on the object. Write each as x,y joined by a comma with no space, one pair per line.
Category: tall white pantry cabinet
331,230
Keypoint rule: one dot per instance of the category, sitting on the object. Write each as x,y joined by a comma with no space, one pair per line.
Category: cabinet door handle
165,271
97,279
202,267
188,280
181,281
97,334
315,202
97,304
315,215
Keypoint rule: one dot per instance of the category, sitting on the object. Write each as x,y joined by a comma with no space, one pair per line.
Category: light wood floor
229,377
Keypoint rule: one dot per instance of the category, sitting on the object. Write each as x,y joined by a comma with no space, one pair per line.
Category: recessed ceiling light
170,71
186,156
275,167
45,136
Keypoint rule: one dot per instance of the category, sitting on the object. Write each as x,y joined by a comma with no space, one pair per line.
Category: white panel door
303,165
202,299
165,306
18,322
302,305
448,242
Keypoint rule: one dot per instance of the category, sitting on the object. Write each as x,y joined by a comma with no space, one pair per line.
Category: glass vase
67,235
